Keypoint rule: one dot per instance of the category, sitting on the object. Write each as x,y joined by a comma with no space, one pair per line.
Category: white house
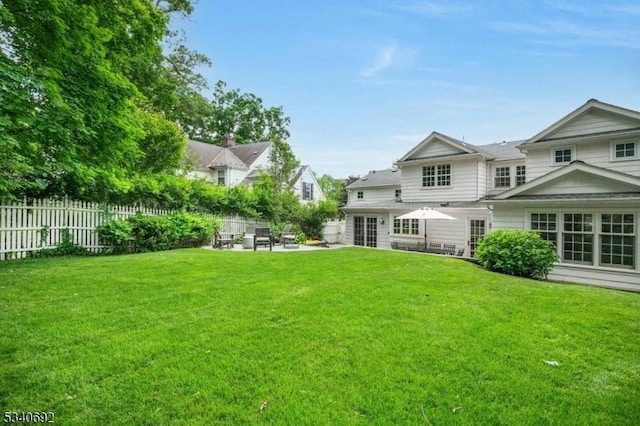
577,182
231,164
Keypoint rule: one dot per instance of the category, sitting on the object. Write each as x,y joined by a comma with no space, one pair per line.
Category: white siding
435,149
593,122
508,217
443,231
371,195
597,153
464,183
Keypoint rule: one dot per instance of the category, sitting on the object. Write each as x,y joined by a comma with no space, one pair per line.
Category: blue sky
364,81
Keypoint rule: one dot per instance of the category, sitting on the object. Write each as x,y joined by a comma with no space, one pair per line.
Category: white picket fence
32,225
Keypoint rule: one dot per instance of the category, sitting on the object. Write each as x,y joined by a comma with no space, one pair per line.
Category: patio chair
219,240
288,236
449,249
262,237
434,248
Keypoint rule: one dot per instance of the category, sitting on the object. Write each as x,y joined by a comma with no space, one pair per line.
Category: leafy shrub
66,248
154,233
314,216
516,252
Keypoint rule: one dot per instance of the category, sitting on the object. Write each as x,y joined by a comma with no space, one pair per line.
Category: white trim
624,141
597,233
554,150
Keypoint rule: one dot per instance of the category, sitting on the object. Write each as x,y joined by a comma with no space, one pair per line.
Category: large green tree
242,115
74,97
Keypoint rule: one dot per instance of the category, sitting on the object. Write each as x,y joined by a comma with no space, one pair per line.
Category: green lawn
348,336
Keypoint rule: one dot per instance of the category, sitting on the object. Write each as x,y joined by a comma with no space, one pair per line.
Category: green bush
141,233
313,217
66,247
516,252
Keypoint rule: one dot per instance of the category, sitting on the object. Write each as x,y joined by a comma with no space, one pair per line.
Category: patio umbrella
426,213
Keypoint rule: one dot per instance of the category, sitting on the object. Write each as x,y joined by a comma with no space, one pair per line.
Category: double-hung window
521,175
577,234
222,174
546,225
617,240
405,226
436,176
502,178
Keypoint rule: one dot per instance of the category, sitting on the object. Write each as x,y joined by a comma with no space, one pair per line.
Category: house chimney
228,141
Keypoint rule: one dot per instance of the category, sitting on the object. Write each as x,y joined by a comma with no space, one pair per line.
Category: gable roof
388,177
433,138
593,182
237,156
495,151
629,121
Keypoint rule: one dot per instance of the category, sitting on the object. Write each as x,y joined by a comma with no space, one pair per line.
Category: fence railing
31,225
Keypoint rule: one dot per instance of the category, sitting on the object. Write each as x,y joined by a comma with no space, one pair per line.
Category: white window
222,177
546,225
307,191
617,240
521,175
577,245
502,178
360,195
405,226
625,150
438,175
563,155
398,193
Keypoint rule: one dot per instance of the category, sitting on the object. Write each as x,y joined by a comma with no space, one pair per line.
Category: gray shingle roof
502,150
238,156
389,177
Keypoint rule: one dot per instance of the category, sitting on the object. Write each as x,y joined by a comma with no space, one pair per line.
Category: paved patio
290,248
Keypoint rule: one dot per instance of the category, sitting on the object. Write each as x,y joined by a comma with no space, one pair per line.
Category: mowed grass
348,336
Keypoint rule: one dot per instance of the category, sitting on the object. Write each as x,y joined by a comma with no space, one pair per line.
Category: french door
477,229
365,231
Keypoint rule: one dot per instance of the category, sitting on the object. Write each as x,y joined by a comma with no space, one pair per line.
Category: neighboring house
232,164
229,164
577,183
306,187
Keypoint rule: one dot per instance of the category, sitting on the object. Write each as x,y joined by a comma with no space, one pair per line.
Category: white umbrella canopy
426,213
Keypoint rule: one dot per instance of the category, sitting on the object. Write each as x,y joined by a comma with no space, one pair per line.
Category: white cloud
389,55
386,57
435,9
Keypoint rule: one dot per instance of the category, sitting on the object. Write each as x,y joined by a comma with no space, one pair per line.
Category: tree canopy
97,100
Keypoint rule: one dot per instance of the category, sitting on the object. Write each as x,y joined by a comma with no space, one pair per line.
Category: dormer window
222,177
563,155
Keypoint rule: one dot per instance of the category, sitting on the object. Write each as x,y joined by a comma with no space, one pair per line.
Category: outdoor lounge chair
219,241
262,237
288,236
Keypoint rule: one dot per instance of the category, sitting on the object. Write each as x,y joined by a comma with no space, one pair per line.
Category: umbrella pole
425,235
